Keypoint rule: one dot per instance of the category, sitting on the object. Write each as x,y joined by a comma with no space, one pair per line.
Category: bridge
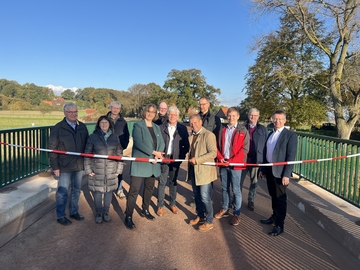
322,231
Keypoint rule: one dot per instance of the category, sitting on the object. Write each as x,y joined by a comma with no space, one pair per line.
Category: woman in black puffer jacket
103,172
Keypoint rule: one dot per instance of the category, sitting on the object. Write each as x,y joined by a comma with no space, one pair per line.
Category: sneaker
106,217
98,218
235,220
121,194
197,220
251,206
205,227
221,214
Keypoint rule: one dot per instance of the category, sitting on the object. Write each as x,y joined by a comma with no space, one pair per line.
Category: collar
279,130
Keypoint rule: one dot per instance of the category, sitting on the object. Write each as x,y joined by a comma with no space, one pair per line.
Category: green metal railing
18,163
341,176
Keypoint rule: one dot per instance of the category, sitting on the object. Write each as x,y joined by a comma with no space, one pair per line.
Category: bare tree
343,21
140,95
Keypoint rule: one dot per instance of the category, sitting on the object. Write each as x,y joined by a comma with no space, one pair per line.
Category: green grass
22,119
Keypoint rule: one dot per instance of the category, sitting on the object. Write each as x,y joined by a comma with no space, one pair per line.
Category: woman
147,143
103,172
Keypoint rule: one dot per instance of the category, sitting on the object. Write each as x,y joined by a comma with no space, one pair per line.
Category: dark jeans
98,201
170,171
254,176
278,195
134,191
203,196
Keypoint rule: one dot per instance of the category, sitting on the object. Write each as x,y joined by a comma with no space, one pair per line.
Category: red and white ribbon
138,159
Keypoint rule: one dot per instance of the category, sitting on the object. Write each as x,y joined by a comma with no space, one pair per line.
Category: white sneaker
120,194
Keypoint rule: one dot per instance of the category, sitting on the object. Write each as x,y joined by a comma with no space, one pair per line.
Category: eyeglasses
163,108
150,112
278,120
104,123
71,112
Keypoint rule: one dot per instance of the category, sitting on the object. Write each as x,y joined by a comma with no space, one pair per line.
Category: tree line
182,87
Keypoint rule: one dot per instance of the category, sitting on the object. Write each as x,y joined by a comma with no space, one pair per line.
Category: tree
189,86
139,97
158,94
284,75
45,108
68,94
343,21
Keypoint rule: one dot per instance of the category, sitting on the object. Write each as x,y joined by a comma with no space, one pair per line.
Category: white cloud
226,101
59,89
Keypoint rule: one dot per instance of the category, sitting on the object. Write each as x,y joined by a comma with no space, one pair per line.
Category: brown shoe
221,214
196,221
205,227
160,212
235,220
174,209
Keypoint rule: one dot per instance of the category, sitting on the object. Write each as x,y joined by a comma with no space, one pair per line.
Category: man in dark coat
162,115
176,146
258,135
69,135
281,146
122,131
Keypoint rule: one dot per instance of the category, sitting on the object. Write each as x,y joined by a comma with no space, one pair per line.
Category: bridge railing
340,177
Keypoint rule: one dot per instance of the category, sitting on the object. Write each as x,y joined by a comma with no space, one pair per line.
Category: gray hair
174,108
254,110
115,103
69,105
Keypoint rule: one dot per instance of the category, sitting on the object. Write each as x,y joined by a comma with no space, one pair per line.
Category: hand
262,175
192,161
91,174
158,155
56,173
285,181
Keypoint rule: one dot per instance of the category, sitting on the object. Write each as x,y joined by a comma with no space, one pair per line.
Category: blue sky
115,44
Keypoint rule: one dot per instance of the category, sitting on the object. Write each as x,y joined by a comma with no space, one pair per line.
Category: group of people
159,135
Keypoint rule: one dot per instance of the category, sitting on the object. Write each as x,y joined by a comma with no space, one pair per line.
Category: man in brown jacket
202,149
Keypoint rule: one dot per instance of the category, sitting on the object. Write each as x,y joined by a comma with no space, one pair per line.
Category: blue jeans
65,179
203,196
168,170
254,176
98,201
230,176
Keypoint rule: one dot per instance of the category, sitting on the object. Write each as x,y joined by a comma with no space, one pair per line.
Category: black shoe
77,216
128,223
276,231
146,213
64,221
251,206
270,220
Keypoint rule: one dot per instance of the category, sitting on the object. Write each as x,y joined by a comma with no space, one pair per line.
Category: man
69,135
176,139
210,121
162,116
121,130
202,149
258,135
281,146
233,146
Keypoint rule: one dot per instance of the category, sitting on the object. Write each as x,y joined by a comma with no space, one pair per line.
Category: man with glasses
209,121
69,135
162,115
281,146
258,135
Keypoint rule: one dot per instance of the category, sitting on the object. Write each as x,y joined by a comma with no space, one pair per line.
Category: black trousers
135,185
278,195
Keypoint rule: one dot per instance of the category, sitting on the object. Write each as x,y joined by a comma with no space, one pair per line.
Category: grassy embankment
22,119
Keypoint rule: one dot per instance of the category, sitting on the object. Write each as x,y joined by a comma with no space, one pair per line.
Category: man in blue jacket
258,135
69,135
281,146
176,146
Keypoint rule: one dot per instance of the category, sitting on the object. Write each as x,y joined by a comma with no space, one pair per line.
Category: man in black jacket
176,146
121,130
210,121
69,135
258,136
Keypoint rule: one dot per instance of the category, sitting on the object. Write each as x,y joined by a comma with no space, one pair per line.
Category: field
21,119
